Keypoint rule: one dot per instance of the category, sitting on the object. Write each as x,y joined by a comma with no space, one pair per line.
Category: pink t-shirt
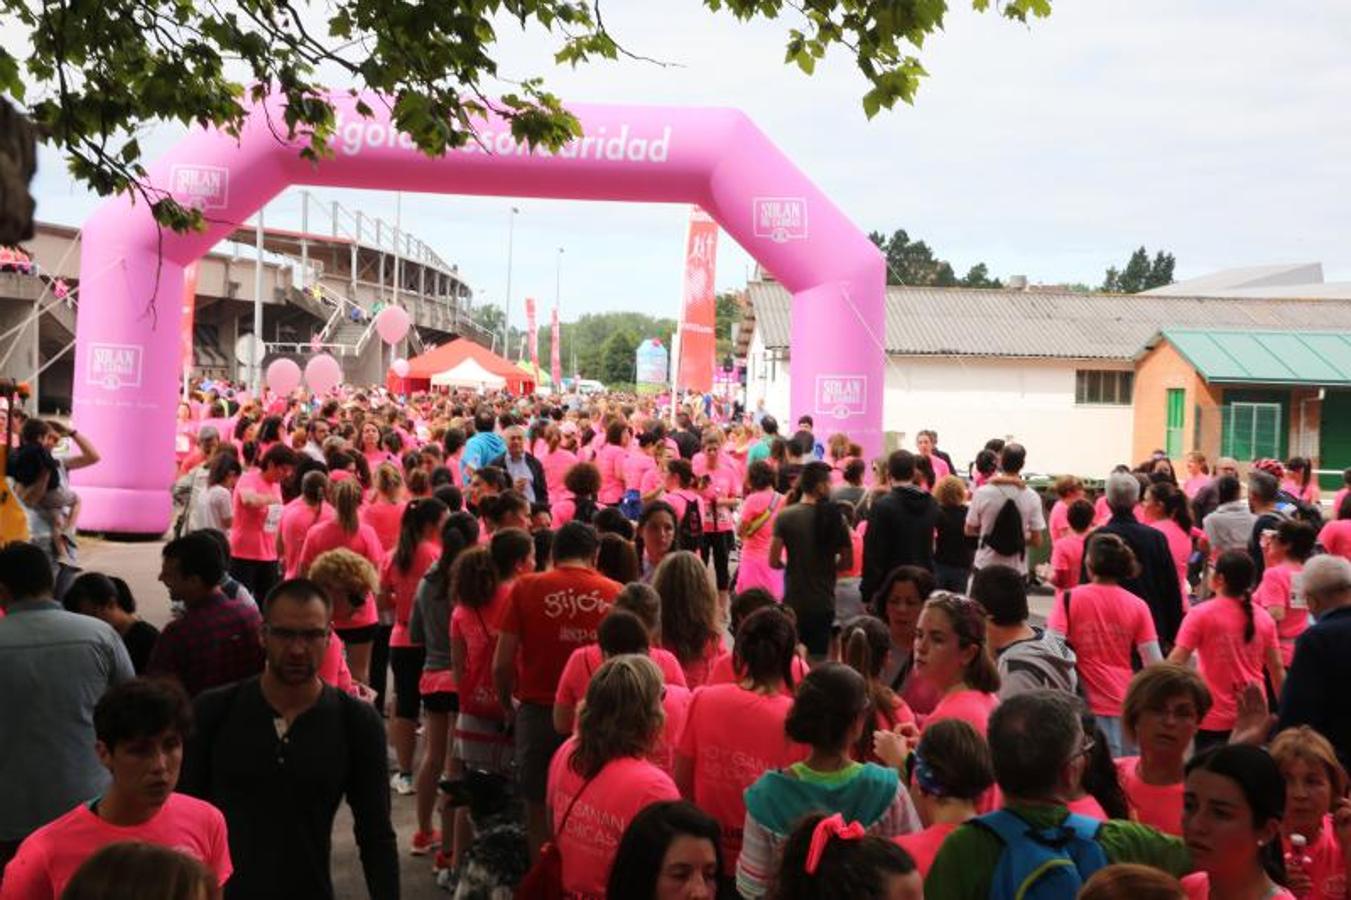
754,508
723,482
610,461
635,466
478,629
1197,887
403,586
1336,538
1157,805
733,736
923,845
329,536
297,518
697,670
556,464
1282,589
1214,631
375,457
584,662
1193,485
723,673
333,669
1327,865
1102,513
654,479
253,531
384,517
1179,547
1087,805
49,857
680,500
1067,559
1058,522
972,707
590,833
1105,623
940,467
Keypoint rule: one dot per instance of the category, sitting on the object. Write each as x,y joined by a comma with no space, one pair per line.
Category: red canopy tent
448,356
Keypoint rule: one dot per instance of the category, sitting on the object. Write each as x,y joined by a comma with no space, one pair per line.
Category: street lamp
558,276
506,301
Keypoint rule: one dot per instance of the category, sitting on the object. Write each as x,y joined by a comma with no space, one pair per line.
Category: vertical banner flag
532,335
698,315
186,320
555,352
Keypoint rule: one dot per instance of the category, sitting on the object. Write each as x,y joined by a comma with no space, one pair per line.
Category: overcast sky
1215,129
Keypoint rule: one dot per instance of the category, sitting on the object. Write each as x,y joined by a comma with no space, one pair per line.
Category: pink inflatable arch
126,382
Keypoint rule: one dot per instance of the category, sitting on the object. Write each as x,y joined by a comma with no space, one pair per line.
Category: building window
1177,413
1112,388
1251,431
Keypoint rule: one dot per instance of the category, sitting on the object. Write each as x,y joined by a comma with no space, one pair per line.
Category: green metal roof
1316,358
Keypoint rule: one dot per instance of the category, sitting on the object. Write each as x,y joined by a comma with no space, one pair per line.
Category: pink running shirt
1105,623
1214,631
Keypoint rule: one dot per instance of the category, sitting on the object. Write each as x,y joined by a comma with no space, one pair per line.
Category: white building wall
969,400
767,379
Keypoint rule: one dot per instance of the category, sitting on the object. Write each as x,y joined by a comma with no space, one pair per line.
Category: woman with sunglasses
950,655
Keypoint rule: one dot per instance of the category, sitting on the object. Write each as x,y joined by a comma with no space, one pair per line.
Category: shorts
482,743
407,664
437,681
814,628
536,742
362,634
447,702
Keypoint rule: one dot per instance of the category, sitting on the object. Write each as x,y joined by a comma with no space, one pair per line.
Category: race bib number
1297,591
273,518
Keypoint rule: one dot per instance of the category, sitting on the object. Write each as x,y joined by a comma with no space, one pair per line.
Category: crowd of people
653,654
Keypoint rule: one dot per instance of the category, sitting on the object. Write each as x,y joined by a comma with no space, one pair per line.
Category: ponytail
418,515
866,641
1238,572
1174,504
346,503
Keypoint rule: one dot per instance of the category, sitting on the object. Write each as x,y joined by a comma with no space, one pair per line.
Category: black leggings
259,576
720,543
407,664
380,664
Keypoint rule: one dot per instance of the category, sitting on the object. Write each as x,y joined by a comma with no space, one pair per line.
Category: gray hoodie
1043,661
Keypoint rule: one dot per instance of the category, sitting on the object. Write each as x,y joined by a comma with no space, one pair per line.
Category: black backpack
1007,537
690,530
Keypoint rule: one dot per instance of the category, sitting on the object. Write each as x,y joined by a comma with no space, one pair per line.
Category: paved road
138,563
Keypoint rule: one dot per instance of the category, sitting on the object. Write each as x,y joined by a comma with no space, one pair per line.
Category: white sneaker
402,784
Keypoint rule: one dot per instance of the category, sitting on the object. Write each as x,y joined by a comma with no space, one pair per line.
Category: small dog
499,856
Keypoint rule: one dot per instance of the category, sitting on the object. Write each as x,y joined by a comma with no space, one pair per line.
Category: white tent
468,374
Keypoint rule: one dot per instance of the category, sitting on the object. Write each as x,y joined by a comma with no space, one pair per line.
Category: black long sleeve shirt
280,792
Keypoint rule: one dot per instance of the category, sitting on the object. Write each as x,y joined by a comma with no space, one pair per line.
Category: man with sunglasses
277,753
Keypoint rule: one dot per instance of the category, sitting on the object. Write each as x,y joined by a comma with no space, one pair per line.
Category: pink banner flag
556,352
698,315
532,335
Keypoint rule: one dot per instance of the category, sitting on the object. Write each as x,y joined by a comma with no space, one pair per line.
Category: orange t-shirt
553,613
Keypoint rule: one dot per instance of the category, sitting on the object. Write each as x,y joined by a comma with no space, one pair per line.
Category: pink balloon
322,373
400,367
393,324
283,376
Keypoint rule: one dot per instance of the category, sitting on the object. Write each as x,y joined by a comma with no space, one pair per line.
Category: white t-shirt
211,509
985,506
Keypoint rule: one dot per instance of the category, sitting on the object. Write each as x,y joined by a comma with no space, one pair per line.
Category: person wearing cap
1315,688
